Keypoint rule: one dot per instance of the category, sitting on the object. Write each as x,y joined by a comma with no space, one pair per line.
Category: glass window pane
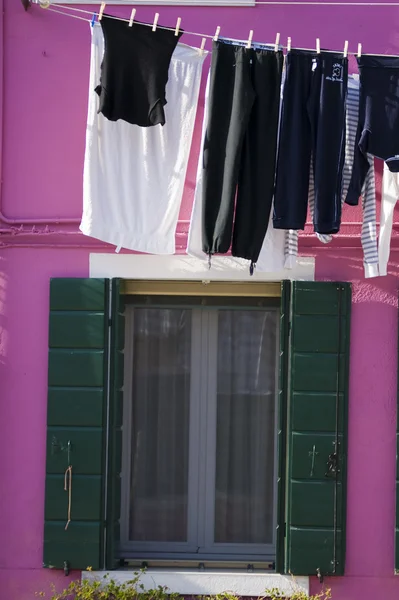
160,424
245,439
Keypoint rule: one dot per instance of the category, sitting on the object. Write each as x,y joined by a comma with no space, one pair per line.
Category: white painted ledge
183,267
194,582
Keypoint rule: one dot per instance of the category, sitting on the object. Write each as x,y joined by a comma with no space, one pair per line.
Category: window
199,419
199,430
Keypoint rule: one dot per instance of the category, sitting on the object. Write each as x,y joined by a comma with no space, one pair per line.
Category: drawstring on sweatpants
252,268
209,261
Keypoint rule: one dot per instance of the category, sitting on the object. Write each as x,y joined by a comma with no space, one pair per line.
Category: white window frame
201,475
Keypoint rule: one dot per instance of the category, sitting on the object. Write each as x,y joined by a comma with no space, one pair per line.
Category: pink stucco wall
44,97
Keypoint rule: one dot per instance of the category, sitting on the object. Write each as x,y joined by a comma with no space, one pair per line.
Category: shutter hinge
66,568
109,322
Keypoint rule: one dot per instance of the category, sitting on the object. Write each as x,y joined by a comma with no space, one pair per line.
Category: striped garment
390,195
369,227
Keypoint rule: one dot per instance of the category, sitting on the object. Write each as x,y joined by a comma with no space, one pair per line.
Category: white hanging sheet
134,176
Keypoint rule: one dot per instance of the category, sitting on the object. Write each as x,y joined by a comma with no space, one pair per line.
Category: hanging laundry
313,121
134,71
390,195
274,254
378,130
240,148
369,226
134,176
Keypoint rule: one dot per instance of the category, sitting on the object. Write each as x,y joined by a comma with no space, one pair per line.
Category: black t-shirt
134,71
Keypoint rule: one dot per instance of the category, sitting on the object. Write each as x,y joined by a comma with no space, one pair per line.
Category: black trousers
240,149
312,124
378,128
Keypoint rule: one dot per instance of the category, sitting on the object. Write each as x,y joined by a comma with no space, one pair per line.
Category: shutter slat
75,406
83,487
76,368
76,330
79,543
317,409
86,449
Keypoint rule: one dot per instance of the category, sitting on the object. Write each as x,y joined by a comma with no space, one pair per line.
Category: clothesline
50,7
259,2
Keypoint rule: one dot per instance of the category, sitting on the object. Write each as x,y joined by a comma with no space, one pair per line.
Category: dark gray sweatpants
240,149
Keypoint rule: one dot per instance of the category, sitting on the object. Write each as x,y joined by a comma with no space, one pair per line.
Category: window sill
194,582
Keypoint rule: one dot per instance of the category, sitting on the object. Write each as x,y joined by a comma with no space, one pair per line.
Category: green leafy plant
297,594
106,588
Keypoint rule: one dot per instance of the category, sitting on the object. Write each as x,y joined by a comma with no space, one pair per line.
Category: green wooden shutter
314,457
83,424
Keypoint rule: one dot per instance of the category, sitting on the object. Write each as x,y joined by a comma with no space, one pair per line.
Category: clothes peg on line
216,36
359,50
318,45
203,42
346,49
177,26
102,8
251,35
132,15
155,23
277,42
289,44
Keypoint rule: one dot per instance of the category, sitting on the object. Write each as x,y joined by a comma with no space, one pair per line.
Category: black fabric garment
134,71
378,128
240,148
312,124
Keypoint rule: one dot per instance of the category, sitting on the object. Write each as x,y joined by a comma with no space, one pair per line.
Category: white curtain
246,393
160,424
245,369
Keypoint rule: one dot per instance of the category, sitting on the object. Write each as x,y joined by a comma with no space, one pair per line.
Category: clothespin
318,45
178,26
155,23
203,42
93,19
359,50
289,44
132,15
251,35
102,8
277,42
216,36
346,49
